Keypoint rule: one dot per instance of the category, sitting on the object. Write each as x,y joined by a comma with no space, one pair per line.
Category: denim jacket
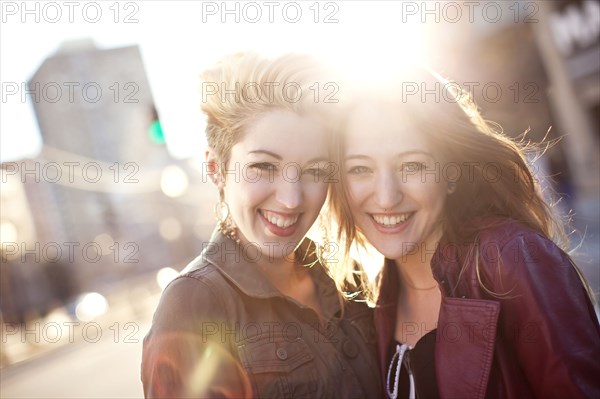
222,330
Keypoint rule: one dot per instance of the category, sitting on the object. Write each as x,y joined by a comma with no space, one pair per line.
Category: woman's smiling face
393,182
275,185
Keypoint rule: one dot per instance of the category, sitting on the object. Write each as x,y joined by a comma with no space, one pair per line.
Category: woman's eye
317,172
358,170
266,166
412,166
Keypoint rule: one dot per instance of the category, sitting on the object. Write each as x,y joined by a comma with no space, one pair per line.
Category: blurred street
91,366
104,369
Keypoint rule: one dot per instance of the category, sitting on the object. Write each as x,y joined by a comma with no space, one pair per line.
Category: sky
179,39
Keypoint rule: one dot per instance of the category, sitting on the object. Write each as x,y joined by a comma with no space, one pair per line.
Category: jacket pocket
279,368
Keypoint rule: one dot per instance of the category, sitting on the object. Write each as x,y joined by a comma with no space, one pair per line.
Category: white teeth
391,220
279,220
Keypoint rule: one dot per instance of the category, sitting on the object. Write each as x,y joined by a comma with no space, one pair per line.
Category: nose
289,193
388,190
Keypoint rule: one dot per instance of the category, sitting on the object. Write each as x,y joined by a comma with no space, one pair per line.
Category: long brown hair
490,172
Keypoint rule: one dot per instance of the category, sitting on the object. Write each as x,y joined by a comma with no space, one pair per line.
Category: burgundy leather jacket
542,340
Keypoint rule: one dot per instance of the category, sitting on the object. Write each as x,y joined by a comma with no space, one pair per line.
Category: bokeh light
164,276
173,181
90,306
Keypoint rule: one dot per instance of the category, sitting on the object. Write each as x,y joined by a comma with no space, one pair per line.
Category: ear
213,170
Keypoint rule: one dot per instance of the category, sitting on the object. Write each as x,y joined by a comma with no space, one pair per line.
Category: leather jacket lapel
465,346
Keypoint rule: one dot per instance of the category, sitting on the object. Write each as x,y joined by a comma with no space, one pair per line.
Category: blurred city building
568,39
16,226
535,66
104,201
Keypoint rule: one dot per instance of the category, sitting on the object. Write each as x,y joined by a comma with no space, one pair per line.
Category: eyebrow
318,159
280,158
399,155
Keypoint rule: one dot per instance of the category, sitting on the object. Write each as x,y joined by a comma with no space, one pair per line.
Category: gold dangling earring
225,222
451,187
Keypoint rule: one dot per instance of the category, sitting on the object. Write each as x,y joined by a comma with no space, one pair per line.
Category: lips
281,224
280,220
391,220
391,223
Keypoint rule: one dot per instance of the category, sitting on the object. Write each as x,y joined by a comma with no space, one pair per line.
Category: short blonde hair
242,86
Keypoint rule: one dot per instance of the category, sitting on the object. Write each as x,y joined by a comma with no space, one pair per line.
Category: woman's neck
293,280
414,268
280,271
415,276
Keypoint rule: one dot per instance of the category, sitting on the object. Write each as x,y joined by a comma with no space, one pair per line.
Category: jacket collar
239,265
450,263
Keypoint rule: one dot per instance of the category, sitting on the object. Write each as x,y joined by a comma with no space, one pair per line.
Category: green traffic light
156,133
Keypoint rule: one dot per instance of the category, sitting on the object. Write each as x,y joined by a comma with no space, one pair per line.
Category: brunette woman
477,297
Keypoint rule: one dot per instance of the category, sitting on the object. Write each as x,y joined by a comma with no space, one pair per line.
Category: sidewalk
130,303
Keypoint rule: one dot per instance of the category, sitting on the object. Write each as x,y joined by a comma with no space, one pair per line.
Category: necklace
406,283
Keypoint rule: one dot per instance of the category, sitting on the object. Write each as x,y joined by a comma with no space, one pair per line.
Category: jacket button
350,349
282,353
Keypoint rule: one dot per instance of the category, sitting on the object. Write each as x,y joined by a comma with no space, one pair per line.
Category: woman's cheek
315,192
260,184
424,188
253,191
356,190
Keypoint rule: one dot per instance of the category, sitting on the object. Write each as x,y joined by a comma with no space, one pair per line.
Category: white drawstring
400,351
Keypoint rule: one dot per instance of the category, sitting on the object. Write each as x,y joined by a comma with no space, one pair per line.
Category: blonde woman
476,298
256,314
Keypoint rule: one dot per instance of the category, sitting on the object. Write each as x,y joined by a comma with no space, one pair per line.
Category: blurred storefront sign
568,38
576,26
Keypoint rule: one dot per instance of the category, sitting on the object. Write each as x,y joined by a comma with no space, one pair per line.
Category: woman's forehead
286,134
